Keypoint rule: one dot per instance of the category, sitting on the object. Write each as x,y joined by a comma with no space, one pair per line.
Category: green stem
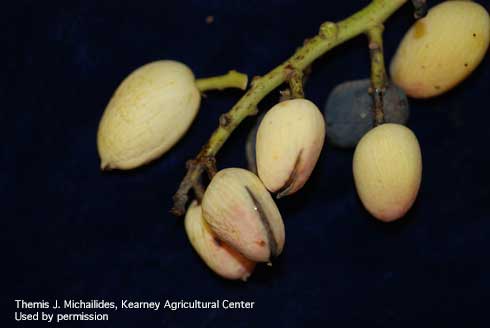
379,80
329,36
232,79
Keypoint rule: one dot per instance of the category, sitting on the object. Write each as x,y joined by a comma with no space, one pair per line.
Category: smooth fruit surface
387,170
442,49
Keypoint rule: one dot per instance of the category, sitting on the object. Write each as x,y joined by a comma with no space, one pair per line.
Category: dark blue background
74,232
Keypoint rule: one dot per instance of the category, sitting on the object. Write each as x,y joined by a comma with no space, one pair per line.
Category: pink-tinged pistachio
388,170
242,213
219,256
289,141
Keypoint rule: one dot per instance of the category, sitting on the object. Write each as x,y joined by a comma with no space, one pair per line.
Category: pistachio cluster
235,223
237,207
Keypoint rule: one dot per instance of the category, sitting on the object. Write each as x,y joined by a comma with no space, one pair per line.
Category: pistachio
242,213
289,141
219,256
149,112
442,49
387,170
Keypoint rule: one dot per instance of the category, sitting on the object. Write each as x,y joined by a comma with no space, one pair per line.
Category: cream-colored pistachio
387,170
289,141
219,256
442,49
149,112
242,213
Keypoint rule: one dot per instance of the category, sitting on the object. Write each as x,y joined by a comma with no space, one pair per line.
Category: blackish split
284,190
266,224
218,242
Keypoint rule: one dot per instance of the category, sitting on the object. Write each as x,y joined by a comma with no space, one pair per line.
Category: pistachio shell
442,49
219,257
149,112
289,141
243,214
387,170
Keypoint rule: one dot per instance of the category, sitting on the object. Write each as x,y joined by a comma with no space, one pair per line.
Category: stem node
328,30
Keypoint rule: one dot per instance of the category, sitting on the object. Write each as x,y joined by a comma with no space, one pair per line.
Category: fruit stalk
296,80
329,36
379,79
232,79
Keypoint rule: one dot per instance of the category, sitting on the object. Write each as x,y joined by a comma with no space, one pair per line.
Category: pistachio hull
149,112
442,49
289,141
388,170
242,213
219,257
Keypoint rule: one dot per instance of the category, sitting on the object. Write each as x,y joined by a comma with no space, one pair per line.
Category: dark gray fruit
349,113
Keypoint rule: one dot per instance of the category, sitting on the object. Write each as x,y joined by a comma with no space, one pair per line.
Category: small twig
191,180
210,165
232,79
199,189
378,72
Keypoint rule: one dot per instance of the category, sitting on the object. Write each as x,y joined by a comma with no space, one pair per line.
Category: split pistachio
219,256
442,49
242,213
149,112
289,141
388,170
